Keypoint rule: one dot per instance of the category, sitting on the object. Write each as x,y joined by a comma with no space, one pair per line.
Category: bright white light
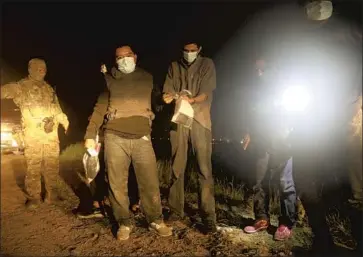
14,143
295,98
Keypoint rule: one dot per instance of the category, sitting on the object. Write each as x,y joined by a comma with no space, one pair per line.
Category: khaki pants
119,153
201,141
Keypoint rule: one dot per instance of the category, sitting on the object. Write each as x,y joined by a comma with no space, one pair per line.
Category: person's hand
186,98
103,68
167,98
246,141
66,126
90,144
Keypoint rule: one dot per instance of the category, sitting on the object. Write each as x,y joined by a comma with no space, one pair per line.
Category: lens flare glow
295,98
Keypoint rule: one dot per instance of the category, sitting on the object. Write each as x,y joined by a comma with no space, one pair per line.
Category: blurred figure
41,115
196,74
127,106
92,196
312,49
318,139
273,157
354,154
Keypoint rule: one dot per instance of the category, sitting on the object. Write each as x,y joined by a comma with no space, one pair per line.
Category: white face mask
126,64
190,56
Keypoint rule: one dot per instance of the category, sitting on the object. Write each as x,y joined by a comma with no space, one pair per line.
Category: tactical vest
130,94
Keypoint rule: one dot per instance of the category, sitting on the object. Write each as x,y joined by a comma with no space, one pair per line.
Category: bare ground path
53,230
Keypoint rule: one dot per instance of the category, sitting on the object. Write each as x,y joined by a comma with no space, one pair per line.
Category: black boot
210,226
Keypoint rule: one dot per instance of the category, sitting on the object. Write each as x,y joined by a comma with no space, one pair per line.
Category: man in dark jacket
273,156
196,74
127,139
317,50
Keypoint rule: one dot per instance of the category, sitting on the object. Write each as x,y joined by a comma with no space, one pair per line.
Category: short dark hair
126,43
191,42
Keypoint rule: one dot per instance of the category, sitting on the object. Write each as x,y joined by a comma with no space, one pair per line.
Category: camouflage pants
42,162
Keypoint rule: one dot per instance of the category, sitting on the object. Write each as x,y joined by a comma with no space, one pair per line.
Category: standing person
317,148
92,196
127,139
316,52
273,157
198,75
41,115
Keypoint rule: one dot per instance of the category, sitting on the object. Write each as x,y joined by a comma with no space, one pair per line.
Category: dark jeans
311,172
201,141
266,169
98,186
119,153
96,190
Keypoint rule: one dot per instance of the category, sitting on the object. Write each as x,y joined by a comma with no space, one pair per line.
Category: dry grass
228,190
232,208
340,228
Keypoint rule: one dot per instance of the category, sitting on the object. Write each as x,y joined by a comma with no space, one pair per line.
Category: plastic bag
184,113
91,162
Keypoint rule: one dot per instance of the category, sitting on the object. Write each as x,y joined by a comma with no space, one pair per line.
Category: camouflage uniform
37,100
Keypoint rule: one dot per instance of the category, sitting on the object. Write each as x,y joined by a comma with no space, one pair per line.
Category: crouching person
127,139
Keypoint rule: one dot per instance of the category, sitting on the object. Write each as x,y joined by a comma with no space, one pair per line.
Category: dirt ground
53,230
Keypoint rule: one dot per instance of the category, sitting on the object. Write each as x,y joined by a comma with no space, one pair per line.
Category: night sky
75,39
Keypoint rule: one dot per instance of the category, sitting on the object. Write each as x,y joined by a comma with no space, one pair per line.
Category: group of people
126,104
126,108
309,150
124,116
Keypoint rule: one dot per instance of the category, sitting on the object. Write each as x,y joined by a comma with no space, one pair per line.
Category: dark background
75,39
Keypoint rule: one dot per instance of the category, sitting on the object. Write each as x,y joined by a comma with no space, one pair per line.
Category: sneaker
282,233
95,213
123,232
161,229
259,225
209,226
32,204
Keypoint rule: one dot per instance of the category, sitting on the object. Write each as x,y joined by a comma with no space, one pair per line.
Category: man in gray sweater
198,75
127,107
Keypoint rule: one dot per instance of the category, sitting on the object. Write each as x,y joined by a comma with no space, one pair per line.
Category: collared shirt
198,78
